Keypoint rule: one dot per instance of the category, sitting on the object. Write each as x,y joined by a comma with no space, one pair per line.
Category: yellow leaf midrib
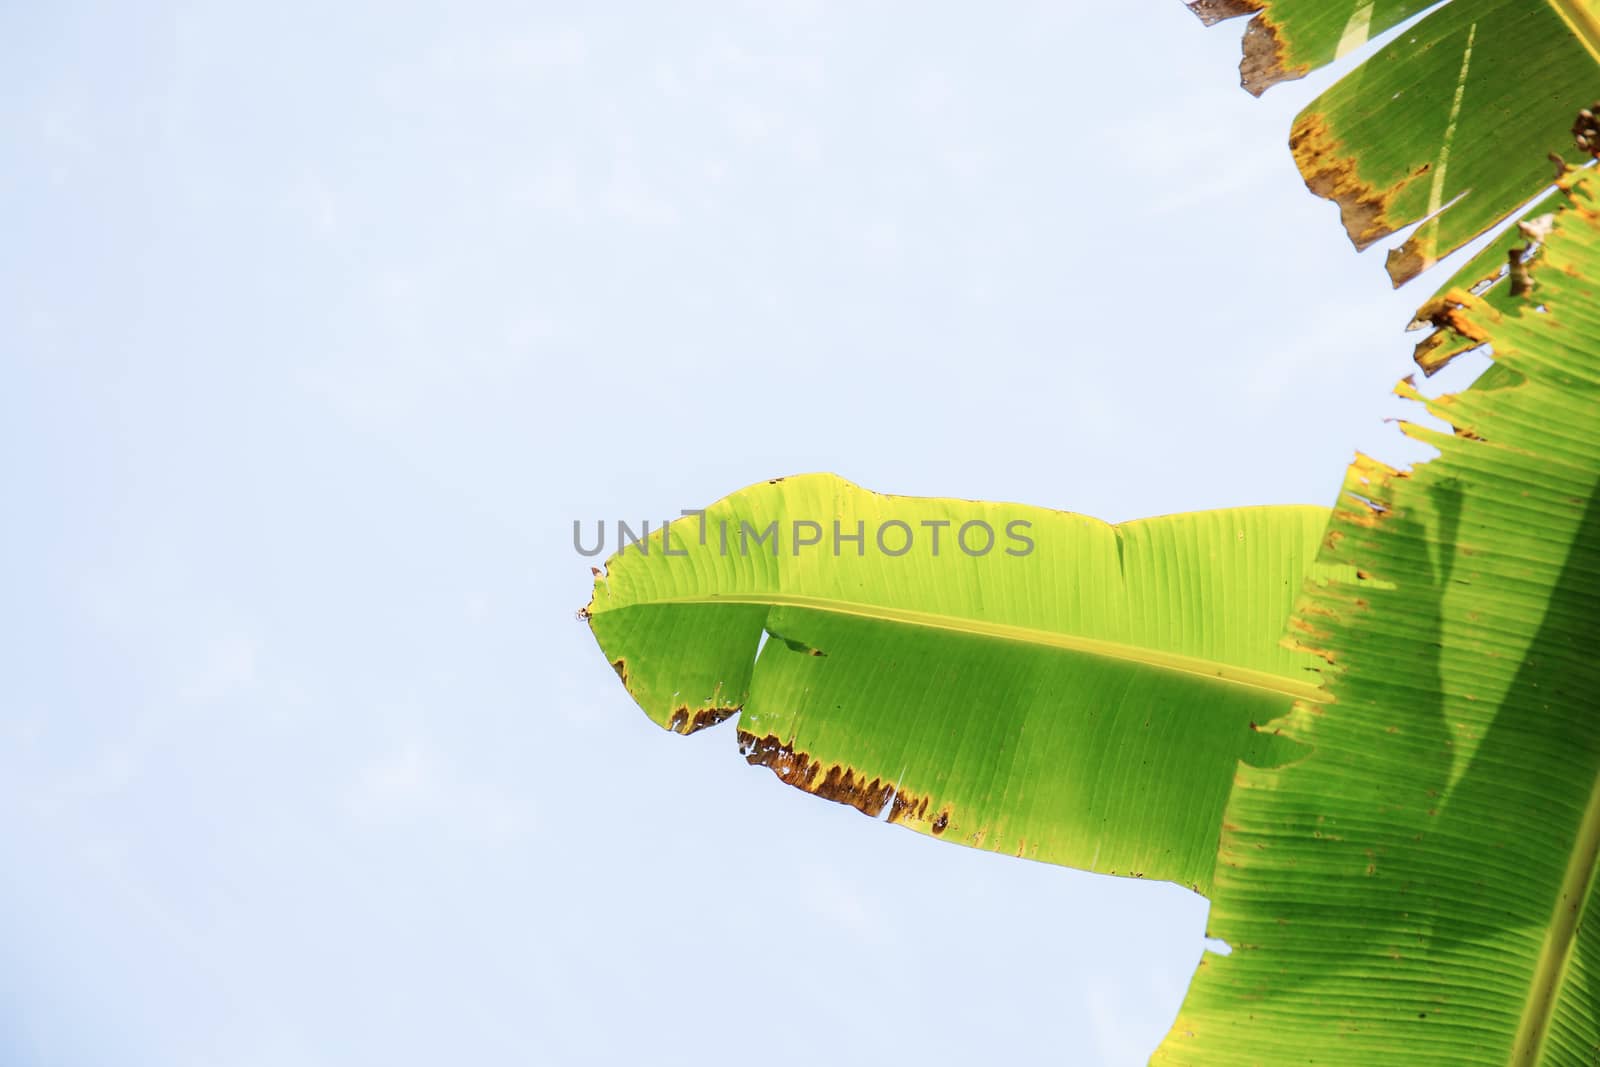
1227,673
1556,952
1583,19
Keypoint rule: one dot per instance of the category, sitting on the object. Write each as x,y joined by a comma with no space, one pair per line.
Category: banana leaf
1011,678
1421,888
1450,123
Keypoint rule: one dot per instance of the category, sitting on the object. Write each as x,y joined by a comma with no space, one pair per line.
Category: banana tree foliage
1012,678
1451,123
1421,889
1401,848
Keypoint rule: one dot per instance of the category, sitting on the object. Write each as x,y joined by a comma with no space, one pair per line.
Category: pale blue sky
318,329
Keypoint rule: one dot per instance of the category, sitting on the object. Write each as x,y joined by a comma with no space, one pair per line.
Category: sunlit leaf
1451,123
1421,888
1082,698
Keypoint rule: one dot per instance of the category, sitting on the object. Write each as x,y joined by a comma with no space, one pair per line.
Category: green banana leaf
1451,123
1421,888
1032,682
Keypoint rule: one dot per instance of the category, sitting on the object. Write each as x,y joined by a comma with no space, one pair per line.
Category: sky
320,325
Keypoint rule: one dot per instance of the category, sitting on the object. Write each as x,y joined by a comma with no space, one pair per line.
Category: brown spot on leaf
842,784
1330,173
908,807
684,723
1212,12
1436,350
794,768
797,646
1312,650
1415,255
837,783
621,667
1265,61
941,823
1454,330
1300,623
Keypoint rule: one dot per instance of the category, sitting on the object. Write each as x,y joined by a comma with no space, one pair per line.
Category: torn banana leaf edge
1443,128
1422,887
